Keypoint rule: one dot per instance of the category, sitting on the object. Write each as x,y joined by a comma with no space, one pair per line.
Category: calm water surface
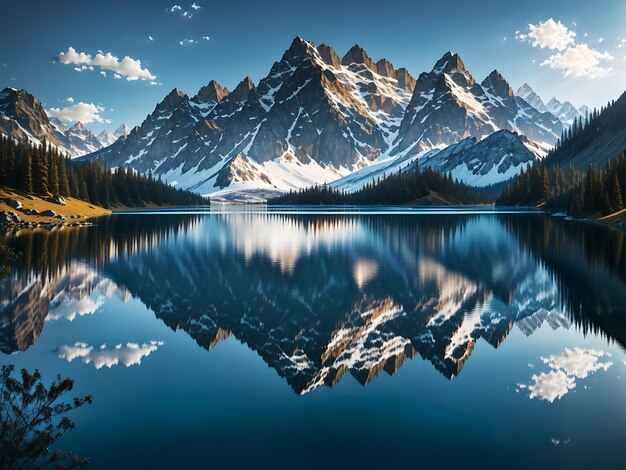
355,338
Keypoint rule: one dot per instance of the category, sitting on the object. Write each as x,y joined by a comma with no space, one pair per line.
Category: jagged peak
10,91
171,101
176,92
212,91
385,68
449,61
357,55
79,126
106,132
328,55
242,90
525,90
298,47
497,84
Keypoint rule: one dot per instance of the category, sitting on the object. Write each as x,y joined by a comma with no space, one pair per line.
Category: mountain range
565,111
319,118
23,118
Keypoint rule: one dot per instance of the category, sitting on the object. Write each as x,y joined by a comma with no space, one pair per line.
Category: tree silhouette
33,418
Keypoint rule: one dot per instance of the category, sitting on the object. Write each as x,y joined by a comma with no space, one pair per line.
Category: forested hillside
43,170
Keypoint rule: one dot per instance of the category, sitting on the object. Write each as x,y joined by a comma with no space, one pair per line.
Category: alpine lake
300,337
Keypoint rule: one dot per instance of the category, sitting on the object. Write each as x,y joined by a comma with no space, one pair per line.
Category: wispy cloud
193,41
127,67
187,14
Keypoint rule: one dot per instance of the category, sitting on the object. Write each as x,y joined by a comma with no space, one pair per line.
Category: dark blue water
344,338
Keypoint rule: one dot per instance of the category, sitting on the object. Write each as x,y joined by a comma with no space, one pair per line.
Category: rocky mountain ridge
316,118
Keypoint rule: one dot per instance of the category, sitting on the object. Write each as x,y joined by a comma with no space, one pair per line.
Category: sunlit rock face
315,296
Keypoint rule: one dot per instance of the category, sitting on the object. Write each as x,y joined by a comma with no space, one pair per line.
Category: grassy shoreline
74,212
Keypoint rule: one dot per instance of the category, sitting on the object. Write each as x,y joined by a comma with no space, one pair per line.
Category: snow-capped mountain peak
123,130
565,111
106,138
526,92
497,85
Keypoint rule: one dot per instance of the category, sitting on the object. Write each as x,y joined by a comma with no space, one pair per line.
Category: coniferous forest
403,187
556,185
42,170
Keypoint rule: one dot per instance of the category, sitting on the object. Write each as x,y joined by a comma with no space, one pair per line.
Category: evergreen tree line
43,170
404,187
579,193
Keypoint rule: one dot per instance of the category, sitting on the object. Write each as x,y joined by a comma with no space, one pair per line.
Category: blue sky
245,38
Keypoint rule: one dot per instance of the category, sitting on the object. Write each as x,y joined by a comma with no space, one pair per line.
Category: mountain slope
494,159
448,105
78,140
565,111
602,141
23,118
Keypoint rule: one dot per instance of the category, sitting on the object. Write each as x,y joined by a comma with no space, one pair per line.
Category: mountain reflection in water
317,296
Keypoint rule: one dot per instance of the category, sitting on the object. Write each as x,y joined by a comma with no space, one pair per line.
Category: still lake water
342,338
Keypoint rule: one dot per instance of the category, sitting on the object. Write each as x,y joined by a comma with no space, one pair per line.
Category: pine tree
27,175
617,203
40,173
64,186
53,185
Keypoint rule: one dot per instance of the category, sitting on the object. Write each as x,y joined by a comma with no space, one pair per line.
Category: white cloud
184,13
103,73
153,83
621,44
580,61
601,40
150,39
551,386
578,362
206,38
83,112
75,307
117,75
551,34
195,6
187,42
130,354
69,99
3,64
566,369
127,67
